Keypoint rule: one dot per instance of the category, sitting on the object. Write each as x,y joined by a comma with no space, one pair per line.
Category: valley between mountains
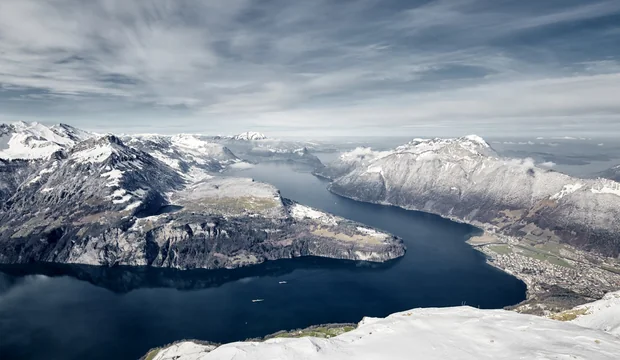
71,196
75,197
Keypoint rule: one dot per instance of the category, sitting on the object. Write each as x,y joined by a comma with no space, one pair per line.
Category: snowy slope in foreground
603,314
427,334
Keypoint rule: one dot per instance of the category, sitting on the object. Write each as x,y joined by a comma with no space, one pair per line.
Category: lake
77,312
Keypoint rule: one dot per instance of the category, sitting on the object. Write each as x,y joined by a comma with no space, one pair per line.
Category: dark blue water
78,312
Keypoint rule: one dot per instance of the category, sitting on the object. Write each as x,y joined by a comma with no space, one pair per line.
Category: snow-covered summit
197,146
195,157
250,135
192,155
99,173
30,141
457,148
462,146
467,149
74,134
98,149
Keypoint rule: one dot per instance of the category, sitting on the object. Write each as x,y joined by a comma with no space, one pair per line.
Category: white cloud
547,164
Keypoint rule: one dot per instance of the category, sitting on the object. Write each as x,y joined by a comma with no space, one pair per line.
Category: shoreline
539,299
556,280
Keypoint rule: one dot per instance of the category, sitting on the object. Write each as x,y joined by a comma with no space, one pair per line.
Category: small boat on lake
258,300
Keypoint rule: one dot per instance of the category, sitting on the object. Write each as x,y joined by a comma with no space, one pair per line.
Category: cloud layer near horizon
360,67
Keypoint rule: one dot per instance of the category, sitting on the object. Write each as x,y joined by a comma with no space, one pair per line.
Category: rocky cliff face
12,174
465,179
102,202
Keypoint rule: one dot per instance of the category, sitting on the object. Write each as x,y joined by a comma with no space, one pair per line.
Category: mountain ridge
441,176
108,201
249,136
33,141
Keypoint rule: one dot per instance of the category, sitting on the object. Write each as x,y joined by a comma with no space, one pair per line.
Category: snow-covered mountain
437,334
281,153
24,146
94,171
249,136
79,196
271,150
154,201
190,154
22,140
464,178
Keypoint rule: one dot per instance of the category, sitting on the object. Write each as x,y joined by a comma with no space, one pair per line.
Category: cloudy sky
314,67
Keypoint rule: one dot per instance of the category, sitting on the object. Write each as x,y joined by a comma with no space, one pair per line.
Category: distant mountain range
250,135
71,196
